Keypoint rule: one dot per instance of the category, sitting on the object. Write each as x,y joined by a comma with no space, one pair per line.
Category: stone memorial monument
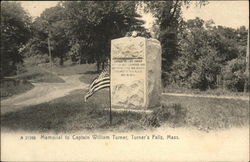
135,73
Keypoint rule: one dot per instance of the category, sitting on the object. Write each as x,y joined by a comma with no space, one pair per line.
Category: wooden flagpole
110,109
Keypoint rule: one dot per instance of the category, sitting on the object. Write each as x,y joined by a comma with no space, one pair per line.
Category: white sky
226,13
35,8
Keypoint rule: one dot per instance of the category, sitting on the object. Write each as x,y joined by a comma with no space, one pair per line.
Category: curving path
42,92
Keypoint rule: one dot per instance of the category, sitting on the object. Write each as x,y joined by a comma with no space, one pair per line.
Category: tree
234,74
50,25
82,31
169,23
15,32
95,23
198,63
168,16
205,52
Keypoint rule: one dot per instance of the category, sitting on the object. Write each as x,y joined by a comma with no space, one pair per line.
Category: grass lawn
73,69
10,87
88,71
217,92
70,114
212,113
88,78
21,83
39,74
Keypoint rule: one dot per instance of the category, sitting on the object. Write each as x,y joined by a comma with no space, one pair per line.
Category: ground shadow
42,118
71,113
91,72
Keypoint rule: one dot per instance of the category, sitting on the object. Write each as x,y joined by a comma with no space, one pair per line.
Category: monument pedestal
135,73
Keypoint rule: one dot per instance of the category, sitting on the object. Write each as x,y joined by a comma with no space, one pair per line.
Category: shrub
173,114
234,74
37,59
10,87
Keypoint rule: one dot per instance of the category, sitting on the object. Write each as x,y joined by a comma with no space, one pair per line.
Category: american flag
100,82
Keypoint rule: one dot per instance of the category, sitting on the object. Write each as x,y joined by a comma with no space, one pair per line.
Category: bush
10,87
171,114
37,59
234,75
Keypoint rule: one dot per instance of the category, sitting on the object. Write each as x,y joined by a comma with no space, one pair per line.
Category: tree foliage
50,25
82,31
195,52
234,74
169,20
102,22
15,32
205,51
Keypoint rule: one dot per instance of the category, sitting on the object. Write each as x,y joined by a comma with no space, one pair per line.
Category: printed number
30,137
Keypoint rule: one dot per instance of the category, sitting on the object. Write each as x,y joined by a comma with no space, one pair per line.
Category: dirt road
42,92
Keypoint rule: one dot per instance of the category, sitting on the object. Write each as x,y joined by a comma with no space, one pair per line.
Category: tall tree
82,30
207,52
168,16
51,25
101,21
15,32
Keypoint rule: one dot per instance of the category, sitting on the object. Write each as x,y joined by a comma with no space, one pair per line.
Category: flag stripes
100,82
89,94
96,81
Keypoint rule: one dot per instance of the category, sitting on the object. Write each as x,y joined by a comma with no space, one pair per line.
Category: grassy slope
87,71
10,87
211,113
218,91
38,74
21,83
70,113
74,69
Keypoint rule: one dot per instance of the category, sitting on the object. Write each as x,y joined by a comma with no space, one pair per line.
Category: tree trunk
98,66
103,65
61,60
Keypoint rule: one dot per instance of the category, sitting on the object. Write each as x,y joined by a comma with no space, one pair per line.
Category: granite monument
135,73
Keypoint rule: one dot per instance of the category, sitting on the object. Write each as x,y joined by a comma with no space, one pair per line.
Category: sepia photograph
125,80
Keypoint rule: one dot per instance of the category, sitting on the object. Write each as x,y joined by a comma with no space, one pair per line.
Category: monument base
147,111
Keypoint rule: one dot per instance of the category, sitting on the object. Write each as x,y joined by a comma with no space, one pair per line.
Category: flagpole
110,109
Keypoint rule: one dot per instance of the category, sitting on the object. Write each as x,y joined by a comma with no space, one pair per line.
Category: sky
226,13
35,8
